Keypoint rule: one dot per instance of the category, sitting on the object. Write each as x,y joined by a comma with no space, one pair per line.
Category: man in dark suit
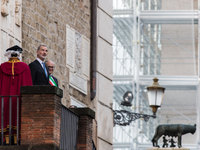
39,71
52,80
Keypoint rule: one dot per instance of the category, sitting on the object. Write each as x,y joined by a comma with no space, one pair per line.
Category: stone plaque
77,59
70,41
3,45
78,83
78,53
86,57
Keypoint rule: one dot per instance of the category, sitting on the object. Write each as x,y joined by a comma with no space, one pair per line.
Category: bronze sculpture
172,130
172,142
165,142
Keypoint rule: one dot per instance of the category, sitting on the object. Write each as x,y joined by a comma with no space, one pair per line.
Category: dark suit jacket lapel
41,68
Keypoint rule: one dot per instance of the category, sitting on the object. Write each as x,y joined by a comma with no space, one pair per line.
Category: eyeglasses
51,67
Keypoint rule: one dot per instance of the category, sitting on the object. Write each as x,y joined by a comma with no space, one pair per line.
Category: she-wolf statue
172,130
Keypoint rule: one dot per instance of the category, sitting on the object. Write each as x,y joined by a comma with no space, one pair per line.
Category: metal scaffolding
152,38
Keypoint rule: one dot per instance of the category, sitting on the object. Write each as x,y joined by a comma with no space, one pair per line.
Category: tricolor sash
51,81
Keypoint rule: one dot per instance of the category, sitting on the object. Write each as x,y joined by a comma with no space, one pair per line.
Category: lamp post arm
123,117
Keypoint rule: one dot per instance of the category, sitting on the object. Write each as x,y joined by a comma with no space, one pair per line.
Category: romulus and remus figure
173,130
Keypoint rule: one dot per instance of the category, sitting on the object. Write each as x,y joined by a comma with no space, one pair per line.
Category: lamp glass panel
159,98
155,97
151,97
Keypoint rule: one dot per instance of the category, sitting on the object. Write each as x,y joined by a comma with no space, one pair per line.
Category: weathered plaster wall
104,96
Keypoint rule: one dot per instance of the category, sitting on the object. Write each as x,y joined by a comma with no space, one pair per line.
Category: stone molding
43,89
168,148
30,147
84,112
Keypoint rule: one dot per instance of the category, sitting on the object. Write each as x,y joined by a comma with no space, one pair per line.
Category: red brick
84,133
39,116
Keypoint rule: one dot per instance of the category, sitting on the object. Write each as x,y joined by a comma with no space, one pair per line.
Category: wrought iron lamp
155,96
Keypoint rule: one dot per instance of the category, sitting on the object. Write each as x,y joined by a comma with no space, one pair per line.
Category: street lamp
155,97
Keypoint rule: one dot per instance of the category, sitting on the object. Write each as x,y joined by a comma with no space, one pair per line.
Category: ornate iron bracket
123,117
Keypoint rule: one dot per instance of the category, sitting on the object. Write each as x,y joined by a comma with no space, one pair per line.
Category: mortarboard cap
15,48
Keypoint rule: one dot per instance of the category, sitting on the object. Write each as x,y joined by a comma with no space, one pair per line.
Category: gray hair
40,47
50,61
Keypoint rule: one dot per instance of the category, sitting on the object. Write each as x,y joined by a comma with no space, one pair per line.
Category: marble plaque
78,53
3,45
70,41
78,83
86,57
77,59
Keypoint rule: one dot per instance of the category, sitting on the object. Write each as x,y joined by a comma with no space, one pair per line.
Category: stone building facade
53,23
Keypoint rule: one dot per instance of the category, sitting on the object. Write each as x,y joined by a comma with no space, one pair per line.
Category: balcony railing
10,99
68,129
40,120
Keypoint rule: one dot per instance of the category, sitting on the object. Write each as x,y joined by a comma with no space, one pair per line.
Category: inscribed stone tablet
70,41
78,53
78,83
86,57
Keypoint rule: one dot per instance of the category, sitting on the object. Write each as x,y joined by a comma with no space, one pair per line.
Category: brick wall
40,117
85,128
85,133
44,22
